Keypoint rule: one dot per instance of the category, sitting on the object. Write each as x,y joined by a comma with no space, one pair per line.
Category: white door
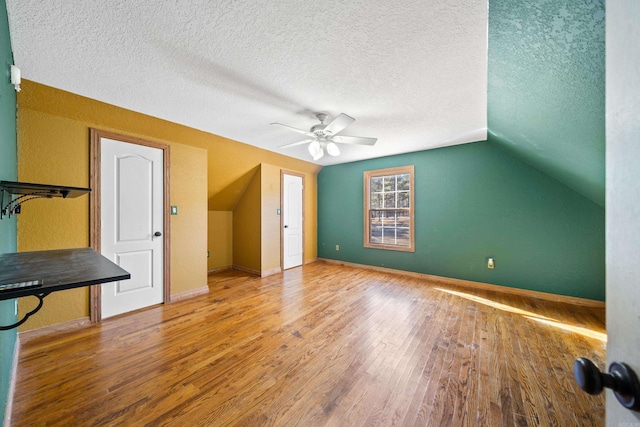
132,217
292,221
623,196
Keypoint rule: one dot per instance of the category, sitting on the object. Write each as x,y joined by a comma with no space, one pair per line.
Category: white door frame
284,172
96,135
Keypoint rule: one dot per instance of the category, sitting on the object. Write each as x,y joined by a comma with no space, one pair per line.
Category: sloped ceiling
412,74
546,94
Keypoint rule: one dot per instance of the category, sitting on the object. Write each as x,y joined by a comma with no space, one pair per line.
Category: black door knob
286,226
621,379
157,234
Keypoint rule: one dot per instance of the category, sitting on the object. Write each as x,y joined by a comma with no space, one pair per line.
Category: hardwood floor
320,345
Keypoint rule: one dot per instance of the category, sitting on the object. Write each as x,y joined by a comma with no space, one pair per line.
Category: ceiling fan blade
339,123
296,143
359,140
304,132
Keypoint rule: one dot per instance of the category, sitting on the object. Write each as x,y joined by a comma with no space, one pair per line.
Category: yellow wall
220,242
256,223
270,220
53,223
270,203
229,161
189,228
53,147
246,227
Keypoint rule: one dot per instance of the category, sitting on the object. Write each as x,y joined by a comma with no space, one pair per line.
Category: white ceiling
412,73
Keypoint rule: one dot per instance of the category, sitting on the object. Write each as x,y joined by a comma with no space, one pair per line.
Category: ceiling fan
324,136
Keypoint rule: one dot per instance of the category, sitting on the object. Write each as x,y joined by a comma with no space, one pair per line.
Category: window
388,209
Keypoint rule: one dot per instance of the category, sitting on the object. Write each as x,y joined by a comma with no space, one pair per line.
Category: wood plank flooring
319,345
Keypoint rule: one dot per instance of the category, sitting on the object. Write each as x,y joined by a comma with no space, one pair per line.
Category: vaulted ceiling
415,75
547,88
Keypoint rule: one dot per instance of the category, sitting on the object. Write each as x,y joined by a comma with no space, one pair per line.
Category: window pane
396,236
376,201
389,236
390,200
376,235
403,219
375,227
389,218
403,199
402,237
389,183
376,219
376,185
403,181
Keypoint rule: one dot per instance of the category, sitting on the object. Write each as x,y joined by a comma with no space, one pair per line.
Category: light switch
174,210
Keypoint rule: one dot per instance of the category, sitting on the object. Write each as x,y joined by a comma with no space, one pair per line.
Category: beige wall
220,241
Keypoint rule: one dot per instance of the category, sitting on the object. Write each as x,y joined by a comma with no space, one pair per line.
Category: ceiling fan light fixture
325,136
314,148
333,149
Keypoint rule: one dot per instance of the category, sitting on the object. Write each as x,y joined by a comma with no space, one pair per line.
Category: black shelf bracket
20,192
29,314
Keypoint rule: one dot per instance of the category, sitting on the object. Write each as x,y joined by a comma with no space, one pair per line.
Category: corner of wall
247,228
8,228
270,219
220,240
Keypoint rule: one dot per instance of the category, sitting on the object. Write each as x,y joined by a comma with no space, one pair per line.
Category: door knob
621,379
286,226
157,234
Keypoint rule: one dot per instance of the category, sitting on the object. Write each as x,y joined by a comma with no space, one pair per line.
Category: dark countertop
57,269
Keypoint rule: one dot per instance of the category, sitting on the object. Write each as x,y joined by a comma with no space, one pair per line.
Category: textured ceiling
413,74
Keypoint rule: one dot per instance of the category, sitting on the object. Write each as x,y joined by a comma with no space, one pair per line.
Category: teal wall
546,87
475,201
8,172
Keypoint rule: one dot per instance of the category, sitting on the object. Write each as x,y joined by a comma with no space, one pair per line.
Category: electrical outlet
337,247
491,263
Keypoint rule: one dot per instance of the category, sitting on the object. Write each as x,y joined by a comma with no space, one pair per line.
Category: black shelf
56,270
44,189
25,191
